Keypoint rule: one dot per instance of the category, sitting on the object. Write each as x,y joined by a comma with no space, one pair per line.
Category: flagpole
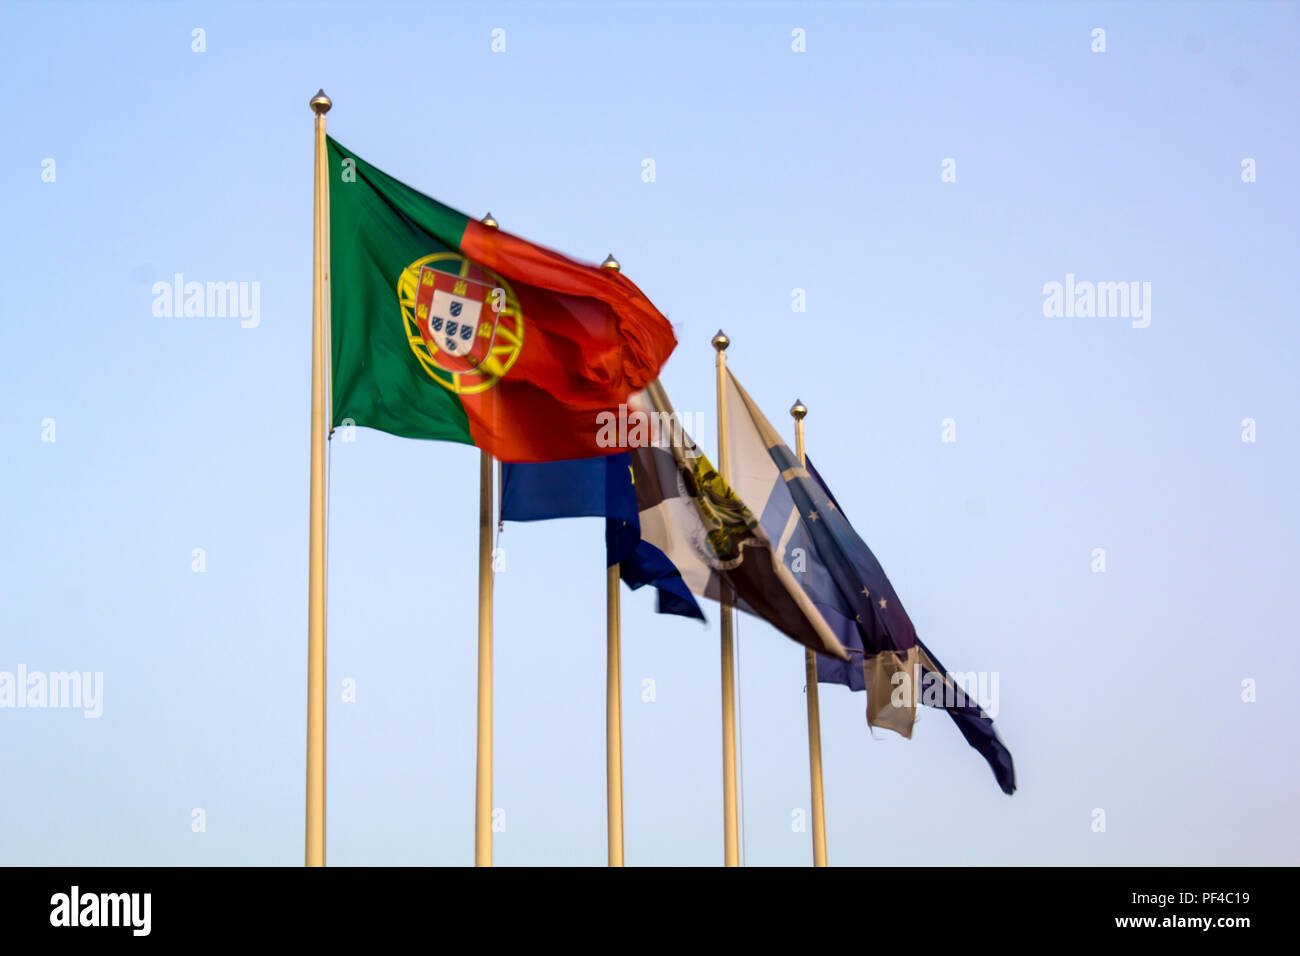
483,781
731,838
613,718
315,815
483,769
797,412
613,699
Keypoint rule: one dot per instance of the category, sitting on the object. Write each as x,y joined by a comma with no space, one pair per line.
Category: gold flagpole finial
611,263
798,410
489,221
720,341
320,103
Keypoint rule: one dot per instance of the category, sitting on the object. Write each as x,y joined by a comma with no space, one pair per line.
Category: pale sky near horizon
775,170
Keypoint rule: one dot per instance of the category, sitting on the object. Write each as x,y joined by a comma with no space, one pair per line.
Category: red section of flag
591,339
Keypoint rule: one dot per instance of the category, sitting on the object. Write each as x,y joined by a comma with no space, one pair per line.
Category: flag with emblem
444,327
705,531
849,588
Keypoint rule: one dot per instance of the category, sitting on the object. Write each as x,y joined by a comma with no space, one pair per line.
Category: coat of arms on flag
463,321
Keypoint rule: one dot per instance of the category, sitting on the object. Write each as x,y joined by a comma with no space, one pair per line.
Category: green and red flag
445,328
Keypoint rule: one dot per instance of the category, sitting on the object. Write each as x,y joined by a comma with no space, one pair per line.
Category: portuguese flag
446,328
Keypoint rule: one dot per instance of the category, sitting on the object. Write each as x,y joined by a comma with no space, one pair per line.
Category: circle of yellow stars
814,517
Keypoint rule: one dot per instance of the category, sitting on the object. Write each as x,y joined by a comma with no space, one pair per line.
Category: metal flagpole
613,718
483,779
797,412
731,840
613,700
315,815
483,785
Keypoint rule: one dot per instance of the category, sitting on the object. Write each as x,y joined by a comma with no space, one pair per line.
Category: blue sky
775,171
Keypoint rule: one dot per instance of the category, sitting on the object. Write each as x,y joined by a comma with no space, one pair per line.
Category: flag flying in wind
706,531
849,588
598,487
446,328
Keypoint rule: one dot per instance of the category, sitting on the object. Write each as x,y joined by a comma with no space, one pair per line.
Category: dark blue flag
598,488
849,587
974,724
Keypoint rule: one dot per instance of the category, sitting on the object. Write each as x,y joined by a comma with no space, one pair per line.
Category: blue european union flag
848,586
598,488
851,564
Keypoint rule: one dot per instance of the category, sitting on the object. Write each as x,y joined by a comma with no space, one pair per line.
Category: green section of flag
379,227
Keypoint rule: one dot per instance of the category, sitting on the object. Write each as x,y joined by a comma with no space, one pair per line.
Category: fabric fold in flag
445,328
705,530
598,487
849,588
648,565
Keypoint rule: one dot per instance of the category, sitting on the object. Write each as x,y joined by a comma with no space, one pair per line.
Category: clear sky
1119,690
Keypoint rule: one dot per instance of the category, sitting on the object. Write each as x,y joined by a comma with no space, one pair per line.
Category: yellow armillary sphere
463,322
